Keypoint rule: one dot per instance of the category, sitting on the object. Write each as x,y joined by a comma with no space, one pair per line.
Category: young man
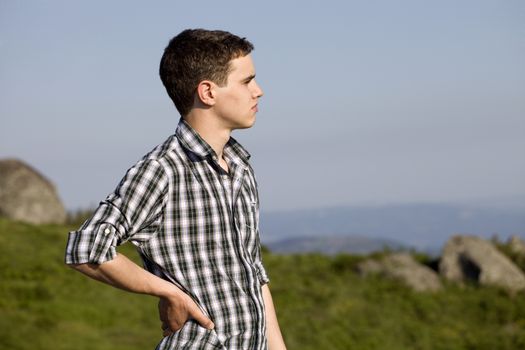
191,208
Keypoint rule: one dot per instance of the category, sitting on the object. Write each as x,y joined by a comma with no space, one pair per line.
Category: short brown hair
196,55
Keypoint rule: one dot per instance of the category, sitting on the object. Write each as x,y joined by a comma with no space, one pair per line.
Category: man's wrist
170,291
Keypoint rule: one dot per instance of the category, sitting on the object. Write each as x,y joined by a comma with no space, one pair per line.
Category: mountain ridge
424,226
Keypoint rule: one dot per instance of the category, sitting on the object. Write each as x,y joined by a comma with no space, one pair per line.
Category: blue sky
365,102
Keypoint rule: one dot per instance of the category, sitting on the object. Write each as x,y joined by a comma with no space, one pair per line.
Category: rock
26,195
403,267
472,258
369,267
516,245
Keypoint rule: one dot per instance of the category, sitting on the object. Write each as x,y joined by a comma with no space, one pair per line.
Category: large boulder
26,195
403,267
472,258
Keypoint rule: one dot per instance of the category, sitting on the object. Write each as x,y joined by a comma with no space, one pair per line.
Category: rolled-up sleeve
261,273
131,212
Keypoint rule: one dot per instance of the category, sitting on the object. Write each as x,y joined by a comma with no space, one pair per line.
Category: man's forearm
175,306
123,273
273,332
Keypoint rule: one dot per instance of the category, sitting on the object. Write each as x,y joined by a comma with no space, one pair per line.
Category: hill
321,304
422,226
332,244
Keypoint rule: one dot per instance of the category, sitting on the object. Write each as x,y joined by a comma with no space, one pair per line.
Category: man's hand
174,312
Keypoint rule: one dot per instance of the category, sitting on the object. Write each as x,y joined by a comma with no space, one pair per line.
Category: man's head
196,55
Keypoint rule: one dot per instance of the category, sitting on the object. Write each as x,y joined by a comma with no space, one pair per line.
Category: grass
321,304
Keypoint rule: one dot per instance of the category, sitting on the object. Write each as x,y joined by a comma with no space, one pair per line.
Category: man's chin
252,123
246,125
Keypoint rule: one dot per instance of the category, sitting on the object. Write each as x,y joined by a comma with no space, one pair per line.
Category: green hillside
321,304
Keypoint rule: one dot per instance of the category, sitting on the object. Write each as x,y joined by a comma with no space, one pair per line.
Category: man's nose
258,91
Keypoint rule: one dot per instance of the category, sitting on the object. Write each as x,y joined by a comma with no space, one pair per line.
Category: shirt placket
239,173
231,191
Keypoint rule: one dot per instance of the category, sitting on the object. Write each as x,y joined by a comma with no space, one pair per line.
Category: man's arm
273,332
125,274
137,200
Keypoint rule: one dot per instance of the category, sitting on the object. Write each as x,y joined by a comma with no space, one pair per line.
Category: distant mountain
422,226
333,244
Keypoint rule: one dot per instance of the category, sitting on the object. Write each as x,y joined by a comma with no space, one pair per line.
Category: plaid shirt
195,225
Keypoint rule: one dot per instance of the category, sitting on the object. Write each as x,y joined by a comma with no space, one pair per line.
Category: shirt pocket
252,219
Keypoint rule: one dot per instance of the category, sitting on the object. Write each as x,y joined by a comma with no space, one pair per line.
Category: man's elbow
84,268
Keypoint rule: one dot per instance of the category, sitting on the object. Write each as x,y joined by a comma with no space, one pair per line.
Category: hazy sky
365,102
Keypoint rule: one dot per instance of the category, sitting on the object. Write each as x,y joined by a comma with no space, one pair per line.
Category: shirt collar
193,142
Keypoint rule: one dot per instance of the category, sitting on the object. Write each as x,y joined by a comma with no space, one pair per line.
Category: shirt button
107,231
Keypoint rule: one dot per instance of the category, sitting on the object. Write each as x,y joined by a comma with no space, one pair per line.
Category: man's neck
210,130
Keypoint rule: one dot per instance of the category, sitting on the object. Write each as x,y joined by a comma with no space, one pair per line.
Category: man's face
237,101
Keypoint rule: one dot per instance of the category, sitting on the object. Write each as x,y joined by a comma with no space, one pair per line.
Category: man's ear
206,93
